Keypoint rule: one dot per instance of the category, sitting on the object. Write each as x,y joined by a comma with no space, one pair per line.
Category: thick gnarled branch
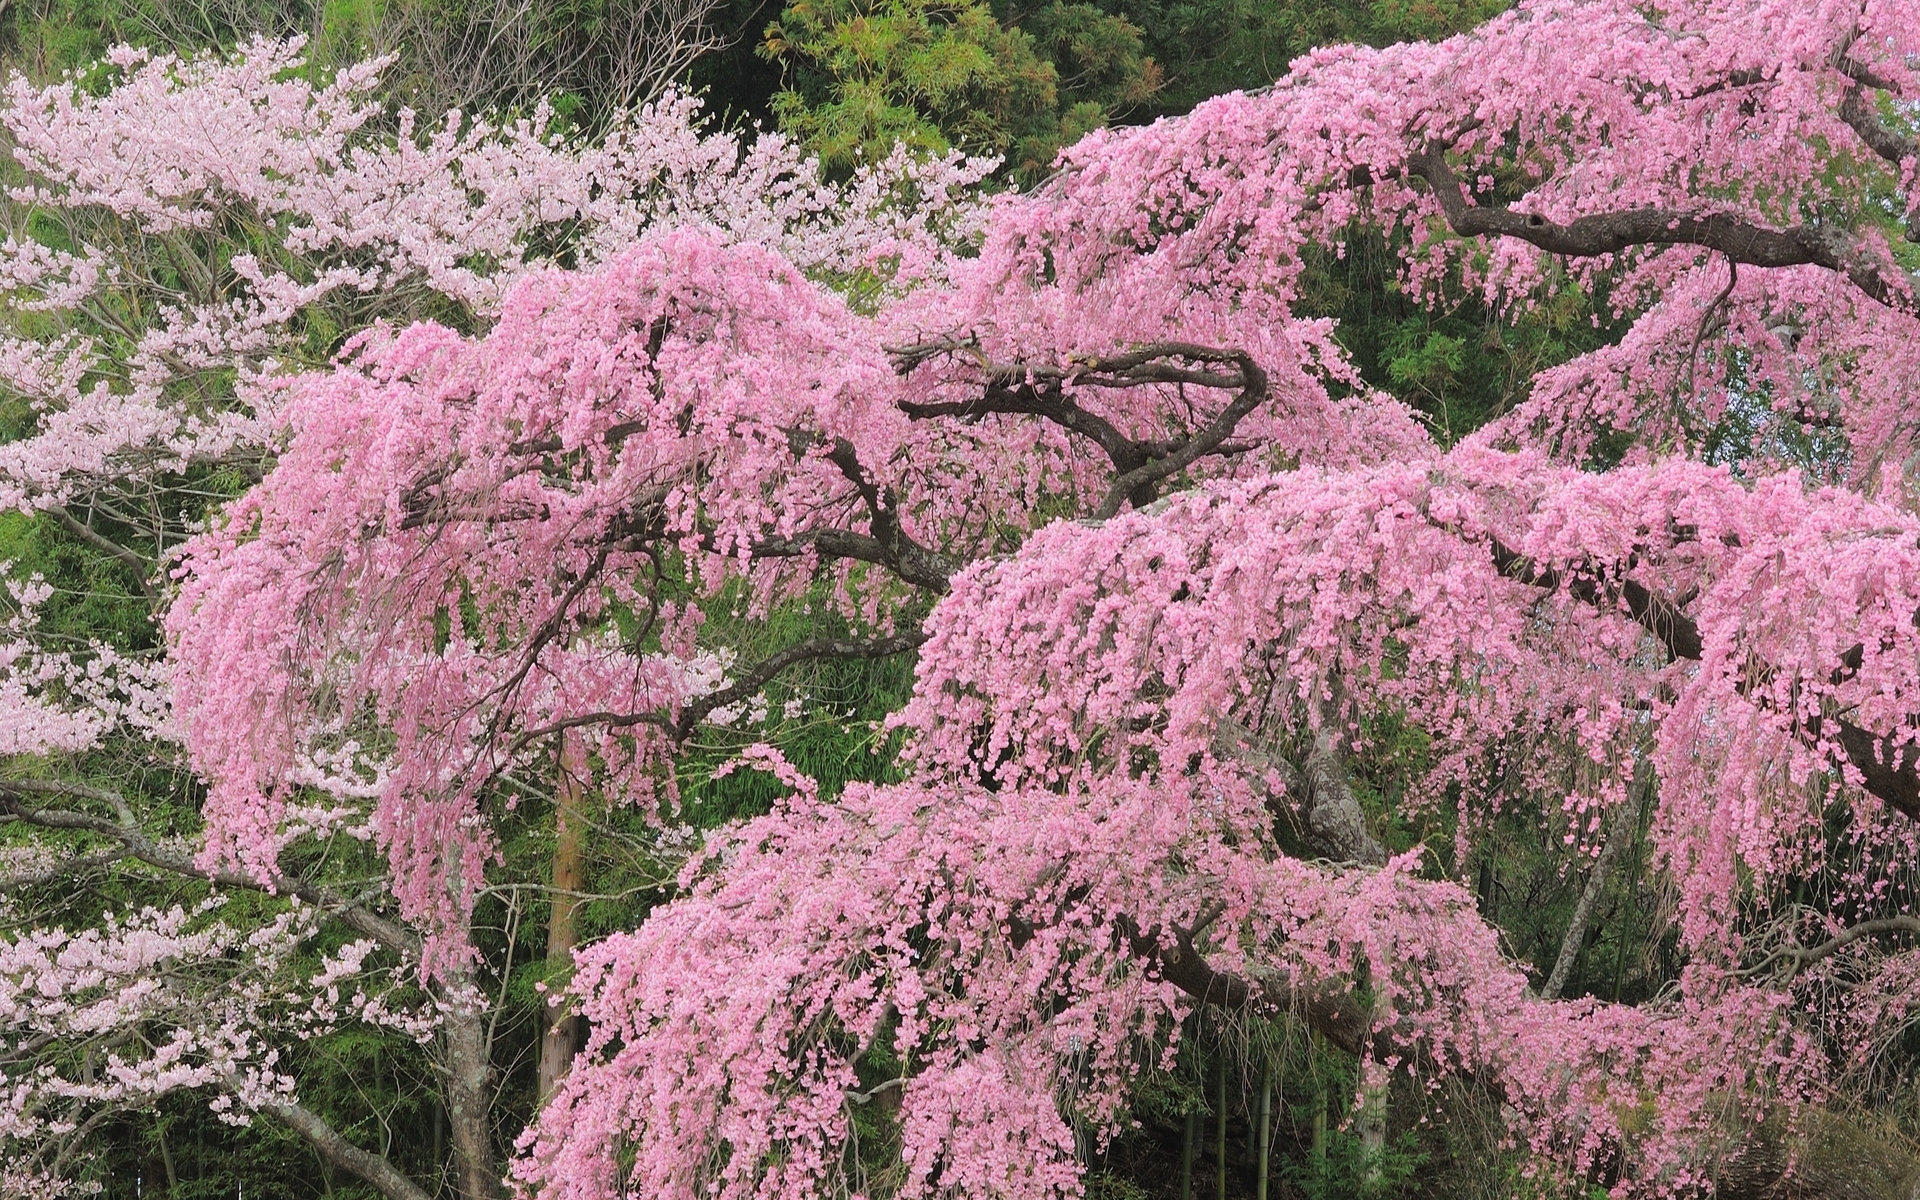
1596,234
1042,390
913,562
1889,769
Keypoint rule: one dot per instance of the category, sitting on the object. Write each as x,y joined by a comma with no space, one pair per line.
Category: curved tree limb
908,559
327,1141
142,568
1739,240
1802,956
762,673
1042,390
15,797
1889,769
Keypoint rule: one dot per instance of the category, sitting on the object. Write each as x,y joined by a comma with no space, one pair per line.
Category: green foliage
936,75
1207,47
1024,82
1461,362
51,36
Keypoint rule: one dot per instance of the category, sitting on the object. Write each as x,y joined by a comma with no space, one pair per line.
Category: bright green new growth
943,74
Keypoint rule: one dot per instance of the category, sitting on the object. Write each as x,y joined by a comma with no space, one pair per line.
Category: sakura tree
1168,563
1166,559
185,234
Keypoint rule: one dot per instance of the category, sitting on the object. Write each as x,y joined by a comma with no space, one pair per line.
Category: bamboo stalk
1220,1130
1318,1148
1265,1134
1186,1157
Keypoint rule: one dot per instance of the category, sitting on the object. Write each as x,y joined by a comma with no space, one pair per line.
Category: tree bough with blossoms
186,234
1168,564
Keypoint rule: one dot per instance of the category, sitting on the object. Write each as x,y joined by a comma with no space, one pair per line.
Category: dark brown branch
1842,60
646,522
1802,956
1332,1009
1140,484
1611,233
1040,390
611,720
15,797
1857,110
931,570
1707,320
142,568
907,558
1888,770
829,543
552,627
1671,627
746,686
762,673
1021,391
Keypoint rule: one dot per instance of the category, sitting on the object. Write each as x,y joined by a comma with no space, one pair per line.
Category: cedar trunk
559,1041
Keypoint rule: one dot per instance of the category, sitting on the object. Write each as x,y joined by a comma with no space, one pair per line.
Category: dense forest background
1018,79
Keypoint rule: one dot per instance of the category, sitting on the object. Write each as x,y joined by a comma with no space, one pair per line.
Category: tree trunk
468,1078
1186,1157
1625,820
1336,825
1317,1146
1220,1128
1264,1142
1318,799
1370,1125
558,1042
1828,1156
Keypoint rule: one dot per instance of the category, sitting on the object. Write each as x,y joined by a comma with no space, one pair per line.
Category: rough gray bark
467,1077
327,1141
1319,795
1335,824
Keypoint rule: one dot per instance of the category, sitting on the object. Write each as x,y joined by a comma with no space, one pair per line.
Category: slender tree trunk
1625,821
1186,1157
1370,1123
468,1081
1220,1129
439,1141
1265,1140
1317,1148
557,1043
166,1157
